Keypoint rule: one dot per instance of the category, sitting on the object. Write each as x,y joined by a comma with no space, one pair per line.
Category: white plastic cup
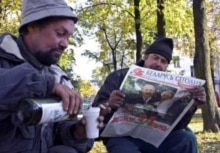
91,115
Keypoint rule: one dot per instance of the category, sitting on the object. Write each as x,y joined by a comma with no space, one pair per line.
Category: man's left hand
199,95
79,132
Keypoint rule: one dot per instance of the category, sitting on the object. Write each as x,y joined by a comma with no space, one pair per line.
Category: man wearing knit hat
163,47
28,68
181,140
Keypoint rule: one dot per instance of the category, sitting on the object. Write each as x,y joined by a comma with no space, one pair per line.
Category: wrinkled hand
199,95
116,99
79,132
72,100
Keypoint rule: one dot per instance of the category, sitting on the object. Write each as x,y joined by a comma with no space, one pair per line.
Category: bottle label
53,112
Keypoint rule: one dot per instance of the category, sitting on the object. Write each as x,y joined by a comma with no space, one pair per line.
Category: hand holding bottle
64,104
72,100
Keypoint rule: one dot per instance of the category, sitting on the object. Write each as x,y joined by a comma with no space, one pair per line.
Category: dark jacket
22,76
113,82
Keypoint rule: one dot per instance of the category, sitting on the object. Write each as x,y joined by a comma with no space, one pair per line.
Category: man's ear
145,56
31,27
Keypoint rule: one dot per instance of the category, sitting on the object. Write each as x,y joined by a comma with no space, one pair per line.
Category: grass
208,142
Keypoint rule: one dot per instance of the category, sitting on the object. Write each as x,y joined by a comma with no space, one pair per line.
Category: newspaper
154,118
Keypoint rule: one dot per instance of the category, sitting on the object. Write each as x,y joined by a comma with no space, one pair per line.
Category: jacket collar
27,55
15,49
11,49
140,63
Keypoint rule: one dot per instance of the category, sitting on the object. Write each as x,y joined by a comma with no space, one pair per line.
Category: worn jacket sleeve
64,136
112,82
186,119
27,82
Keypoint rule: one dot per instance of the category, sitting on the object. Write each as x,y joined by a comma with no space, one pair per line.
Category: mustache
60,49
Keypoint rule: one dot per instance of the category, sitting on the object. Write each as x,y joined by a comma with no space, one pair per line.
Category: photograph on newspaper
155,102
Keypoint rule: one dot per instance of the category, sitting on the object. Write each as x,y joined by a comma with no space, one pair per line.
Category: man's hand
116,99
199,95
72,100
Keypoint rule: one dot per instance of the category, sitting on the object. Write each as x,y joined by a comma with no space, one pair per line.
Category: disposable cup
91,115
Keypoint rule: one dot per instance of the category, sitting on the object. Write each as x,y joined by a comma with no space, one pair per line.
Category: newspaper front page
155,102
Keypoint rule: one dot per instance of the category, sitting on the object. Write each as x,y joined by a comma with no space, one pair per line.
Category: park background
112,34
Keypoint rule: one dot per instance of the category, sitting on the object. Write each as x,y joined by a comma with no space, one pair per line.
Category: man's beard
47,57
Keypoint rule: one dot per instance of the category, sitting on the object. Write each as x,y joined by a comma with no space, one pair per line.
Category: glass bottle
33,111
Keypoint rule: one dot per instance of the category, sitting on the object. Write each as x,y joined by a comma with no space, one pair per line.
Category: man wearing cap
28,69
181,140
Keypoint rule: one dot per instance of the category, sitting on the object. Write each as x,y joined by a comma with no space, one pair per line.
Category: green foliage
87,89
67,59
112,23
213,14
10,16
100,73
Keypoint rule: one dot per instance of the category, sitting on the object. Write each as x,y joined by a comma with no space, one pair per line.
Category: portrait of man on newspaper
140,100
154,100
125,132
138,91
145,97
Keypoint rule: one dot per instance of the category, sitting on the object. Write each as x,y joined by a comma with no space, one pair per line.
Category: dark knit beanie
162,46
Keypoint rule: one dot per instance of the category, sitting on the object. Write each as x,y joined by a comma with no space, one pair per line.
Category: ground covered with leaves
208,142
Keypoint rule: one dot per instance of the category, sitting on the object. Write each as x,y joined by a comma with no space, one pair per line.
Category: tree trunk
160,19
202,63
137,21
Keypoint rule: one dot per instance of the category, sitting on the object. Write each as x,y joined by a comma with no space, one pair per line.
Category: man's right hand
116,99
72,100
